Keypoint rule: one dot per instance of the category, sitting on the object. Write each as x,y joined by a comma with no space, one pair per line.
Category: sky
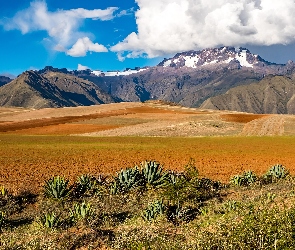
120,34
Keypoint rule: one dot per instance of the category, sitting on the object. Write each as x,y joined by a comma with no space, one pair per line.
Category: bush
152,173
177,214
86,184
57,188
275,173
125,180
153,210
81,212
49,220
245,179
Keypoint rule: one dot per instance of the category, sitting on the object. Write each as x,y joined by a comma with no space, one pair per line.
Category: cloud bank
62,26
166,26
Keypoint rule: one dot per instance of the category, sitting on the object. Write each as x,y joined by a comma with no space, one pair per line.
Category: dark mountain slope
188,87
273,94
4,80
189,78
51,89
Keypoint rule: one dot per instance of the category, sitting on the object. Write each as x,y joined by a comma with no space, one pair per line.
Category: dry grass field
37,144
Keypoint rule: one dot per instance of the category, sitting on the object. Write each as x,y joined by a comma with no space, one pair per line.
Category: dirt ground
141,119
37,144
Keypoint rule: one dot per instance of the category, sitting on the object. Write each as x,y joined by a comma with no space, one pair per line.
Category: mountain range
218,78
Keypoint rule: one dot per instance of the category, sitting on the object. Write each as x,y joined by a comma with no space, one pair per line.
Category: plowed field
26,161
37,144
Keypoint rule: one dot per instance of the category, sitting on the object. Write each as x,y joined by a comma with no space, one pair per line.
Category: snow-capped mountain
224,55
189,78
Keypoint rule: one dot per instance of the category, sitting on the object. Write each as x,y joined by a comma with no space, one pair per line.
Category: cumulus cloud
83,45
62,26
82,67
166,26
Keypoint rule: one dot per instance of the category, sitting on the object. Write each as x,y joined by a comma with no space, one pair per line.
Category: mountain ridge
189,79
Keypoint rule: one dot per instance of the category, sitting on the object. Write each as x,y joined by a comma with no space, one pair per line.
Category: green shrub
275,173
57,188
49,220
190,170
245,179
86,184
177,214
152,173
81,211
153,210
126,179
230,206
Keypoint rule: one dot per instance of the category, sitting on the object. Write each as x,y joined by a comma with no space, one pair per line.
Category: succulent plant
152,173
57,188
81,211
153,210
49,220
126,179
277,171
85,183
245,179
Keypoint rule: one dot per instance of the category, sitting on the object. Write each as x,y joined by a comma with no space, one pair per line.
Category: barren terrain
36,144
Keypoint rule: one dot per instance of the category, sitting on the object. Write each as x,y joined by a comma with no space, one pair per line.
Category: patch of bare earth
141,119
265,126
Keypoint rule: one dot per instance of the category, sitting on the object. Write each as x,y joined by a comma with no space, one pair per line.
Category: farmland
35,144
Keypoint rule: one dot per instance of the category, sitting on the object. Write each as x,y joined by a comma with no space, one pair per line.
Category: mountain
272,95
189,78
51,89
4,80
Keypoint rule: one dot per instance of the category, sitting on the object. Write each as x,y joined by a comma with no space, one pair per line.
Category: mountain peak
215,56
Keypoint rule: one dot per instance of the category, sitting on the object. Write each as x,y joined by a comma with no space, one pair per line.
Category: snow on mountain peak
223,55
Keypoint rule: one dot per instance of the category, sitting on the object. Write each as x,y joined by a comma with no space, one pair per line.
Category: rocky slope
51,89
189,78
273,94
4,80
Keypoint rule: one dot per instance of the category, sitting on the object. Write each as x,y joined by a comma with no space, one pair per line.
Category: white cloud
62,26
166,26
83,45
82,67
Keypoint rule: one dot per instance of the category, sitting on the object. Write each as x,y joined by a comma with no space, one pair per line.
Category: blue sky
116,34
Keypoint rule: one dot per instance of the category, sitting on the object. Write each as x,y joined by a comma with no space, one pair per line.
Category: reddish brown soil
26,161
47,123
241,118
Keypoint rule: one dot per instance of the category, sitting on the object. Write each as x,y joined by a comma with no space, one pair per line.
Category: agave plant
49,220
127,179
277,171
153,174
81,211
245,179
85,183
57,188
250,177
153,210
